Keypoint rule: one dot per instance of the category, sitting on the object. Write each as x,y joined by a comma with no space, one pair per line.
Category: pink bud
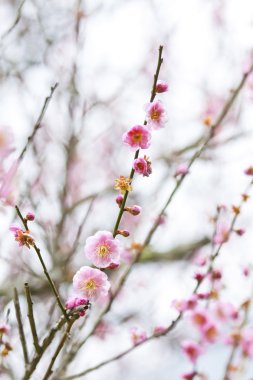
119,200
113,266
249,171
124,233
134,210
161,86
30,216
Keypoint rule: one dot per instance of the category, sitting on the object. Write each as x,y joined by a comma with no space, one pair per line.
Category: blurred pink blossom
156,116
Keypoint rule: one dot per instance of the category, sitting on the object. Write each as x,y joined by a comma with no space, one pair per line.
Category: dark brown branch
31,318
20,326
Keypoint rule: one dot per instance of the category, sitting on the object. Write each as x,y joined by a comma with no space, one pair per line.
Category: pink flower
161,86
222,234
22,237
138,136
192,350
4,328
159,330
247,342
155,115
6,187
200,317
182,169
249,171
102,249
142,166
189,375
91,283
6,140
210,332
188,304
225,311
138,336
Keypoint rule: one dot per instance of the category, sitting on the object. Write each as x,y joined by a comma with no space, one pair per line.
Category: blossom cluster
5,346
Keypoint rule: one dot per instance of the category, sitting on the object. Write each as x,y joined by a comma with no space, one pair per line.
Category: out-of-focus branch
31,318
38,122
16,21
178,253
20,326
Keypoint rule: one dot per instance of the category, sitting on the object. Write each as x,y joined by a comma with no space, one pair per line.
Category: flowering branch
174,323
152,97
153,229
51,283
20,326
31,318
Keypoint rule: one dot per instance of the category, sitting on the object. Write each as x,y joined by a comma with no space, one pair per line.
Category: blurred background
103,55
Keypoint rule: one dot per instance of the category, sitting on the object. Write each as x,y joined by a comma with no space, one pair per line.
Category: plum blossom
138,336
6,185
22,237
209,332
91,283
142,166
247,342
222,234
102,249
123,184
138,136
5,143
155,115
192,350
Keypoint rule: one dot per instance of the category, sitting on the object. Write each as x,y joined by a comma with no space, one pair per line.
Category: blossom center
137,137
155,115
103,250
89,285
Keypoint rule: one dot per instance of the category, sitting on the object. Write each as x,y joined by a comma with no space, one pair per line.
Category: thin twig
16,21
51,283
20,326
38,122
31,318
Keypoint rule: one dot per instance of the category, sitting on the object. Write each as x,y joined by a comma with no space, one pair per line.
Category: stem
51,283
46,342
20,326
31,318
59,348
